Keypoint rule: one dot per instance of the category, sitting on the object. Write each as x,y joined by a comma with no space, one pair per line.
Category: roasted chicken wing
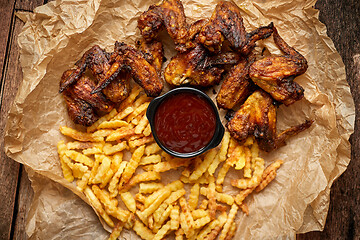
257,116
196,67
275,74
169,14
226,23
153,53
236,86
84,107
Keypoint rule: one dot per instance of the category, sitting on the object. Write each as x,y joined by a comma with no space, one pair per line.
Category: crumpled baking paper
57,34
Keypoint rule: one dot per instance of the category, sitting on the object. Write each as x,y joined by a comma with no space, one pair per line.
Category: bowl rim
219,128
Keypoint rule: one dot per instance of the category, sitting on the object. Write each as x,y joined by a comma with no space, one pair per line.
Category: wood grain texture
15,197
342,19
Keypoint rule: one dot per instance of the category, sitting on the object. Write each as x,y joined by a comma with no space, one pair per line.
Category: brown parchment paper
58,33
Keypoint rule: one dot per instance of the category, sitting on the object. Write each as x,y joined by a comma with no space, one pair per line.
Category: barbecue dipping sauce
185,122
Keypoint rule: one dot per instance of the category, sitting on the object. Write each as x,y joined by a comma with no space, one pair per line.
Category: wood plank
25,196
28,5
6,13
9,169
342,19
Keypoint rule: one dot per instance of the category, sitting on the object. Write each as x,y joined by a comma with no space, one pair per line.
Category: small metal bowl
219,128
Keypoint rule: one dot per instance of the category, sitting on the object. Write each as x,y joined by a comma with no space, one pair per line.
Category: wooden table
342,19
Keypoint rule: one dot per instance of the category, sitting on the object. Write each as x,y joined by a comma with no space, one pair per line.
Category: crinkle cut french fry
221,197
120,133
139,110
111,149
79,145
212,198
110,204
168,165
221,176
242,195
109,174
132,165
186,219
79,157
200,222
156,203
97,205
163,218
113,185
104,118
174,196
152,149
65,168
254,180
247,167
179,234
142,177
143,231
116,161
113,124
140,198
163,231
140,206
231,232
116,231
199,213
80,136
173,186
150,187
244,208
102,133
229,221
254,153
151,223
129,201
81,184
175,218
208,230
92,151
147,130
141,125
204,203
221,156
194,196
141,141
102,170
78,169
216,230
124,113
240,163
209,158
269,175
150,159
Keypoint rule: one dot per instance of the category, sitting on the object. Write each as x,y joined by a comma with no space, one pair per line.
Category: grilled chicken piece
226,23
80,112
83,107
236,87
153,53
96,59
169,14
142,71
119,88
190,68
257,116
275,74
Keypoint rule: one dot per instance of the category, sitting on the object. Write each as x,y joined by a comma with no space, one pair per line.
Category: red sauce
185,122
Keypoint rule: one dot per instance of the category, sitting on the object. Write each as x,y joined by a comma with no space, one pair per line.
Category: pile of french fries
117,158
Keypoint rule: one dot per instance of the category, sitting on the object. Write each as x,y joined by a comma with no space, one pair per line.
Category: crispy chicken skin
142,71
169,14
119,88
275,74
153,52
236,86
226,23
190,68
257,116
80,112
